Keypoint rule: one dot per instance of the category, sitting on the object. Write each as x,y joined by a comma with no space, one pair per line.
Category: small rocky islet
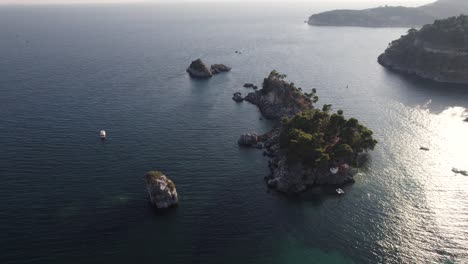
308,146
161,190
437,51
250,85
199,70
237,96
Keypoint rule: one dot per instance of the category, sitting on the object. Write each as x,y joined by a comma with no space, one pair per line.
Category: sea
68,71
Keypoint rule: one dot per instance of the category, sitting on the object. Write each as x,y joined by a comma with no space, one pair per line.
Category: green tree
326,107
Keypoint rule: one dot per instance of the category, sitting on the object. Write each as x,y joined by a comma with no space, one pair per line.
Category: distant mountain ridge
391,16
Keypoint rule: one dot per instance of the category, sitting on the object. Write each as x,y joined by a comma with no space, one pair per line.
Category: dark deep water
66,197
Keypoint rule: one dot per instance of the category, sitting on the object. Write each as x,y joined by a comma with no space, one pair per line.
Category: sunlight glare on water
429,200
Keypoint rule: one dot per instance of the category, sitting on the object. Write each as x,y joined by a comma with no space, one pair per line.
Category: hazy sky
377,2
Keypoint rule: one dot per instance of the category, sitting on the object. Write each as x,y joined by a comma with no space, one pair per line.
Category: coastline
386,62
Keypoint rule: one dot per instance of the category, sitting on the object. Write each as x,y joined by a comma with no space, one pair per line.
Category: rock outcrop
237,97
199,70
219,68
248,140
437,52
161,190
279,98
250,85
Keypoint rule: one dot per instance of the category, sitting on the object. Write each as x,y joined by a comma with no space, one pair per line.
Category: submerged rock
218,68
161,190
237,97
198,69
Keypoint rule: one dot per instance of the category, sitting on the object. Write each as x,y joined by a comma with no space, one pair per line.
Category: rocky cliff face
161,190
279,98
437,52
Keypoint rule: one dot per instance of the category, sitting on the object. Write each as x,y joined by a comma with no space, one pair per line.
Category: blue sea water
66,197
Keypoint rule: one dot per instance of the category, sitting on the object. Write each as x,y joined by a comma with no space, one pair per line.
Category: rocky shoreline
295,177
433,75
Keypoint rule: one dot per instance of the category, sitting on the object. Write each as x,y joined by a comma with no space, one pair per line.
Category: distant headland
438,51
391,16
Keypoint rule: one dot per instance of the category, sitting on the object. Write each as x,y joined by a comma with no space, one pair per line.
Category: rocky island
199,70
391,16
161,190
438,51
308,146
279,98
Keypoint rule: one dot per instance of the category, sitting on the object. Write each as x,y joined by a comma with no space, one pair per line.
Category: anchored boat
102,134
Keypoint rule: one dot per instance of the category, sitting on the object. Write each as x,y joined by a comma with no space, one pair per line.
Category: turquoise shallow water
67,197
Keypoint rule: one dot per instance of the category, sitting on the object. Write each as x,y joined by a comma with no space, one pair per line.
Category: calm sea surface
66,197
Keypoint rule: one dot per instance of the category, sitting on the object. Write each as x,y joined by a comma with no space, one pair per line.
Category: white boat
339,191
102,134
334,170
